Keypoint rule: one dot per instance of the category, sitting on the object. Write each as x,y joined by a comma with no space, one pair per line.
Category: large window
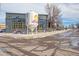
18,25
42,17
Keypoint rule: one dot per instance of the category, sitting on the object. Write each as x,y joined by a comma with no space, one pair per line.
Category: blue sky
70,12
68,21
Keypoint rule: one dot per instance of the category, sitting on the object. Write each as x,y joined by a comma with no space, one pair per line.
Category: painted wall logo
35,20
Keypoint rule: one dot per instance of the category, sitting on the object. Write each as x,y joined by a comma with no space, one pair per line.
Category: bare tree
53,15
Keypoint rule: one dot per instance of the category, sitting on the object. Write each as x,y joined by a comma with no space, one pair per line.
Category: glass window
42,17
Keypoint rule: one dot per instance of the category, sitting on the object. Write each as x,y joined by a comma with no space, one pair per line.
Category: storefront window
42,17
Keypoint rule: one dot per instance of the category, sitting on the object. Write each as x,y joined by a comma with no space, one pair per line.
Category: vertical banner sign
33,20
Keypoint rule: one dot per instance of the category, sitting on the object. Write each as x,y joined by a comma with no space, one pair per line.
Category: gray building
17,21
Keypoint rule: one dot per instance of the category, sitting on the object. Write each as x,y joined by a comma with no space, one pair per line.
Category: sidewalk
31,36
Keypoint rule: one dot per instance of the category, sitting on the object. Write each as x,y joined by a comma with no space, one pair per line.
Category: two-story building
17,21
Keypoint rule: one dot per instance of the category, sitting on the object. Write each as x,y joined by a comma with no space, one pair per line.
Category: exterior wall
15,21
15,17
42,21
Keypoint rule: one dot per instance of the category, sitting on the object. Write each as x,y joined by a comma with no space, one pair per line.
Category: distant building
2,26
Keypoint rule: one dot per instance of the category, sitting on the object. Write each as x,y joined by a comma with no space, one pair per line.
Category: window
42,17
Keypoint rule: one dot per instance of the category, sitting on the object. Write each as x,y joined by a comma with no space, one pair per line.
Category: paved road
57,45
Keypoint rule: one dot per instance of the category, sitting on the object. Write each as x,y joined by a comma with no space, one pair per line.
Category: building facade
15,18
2,26
17,21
